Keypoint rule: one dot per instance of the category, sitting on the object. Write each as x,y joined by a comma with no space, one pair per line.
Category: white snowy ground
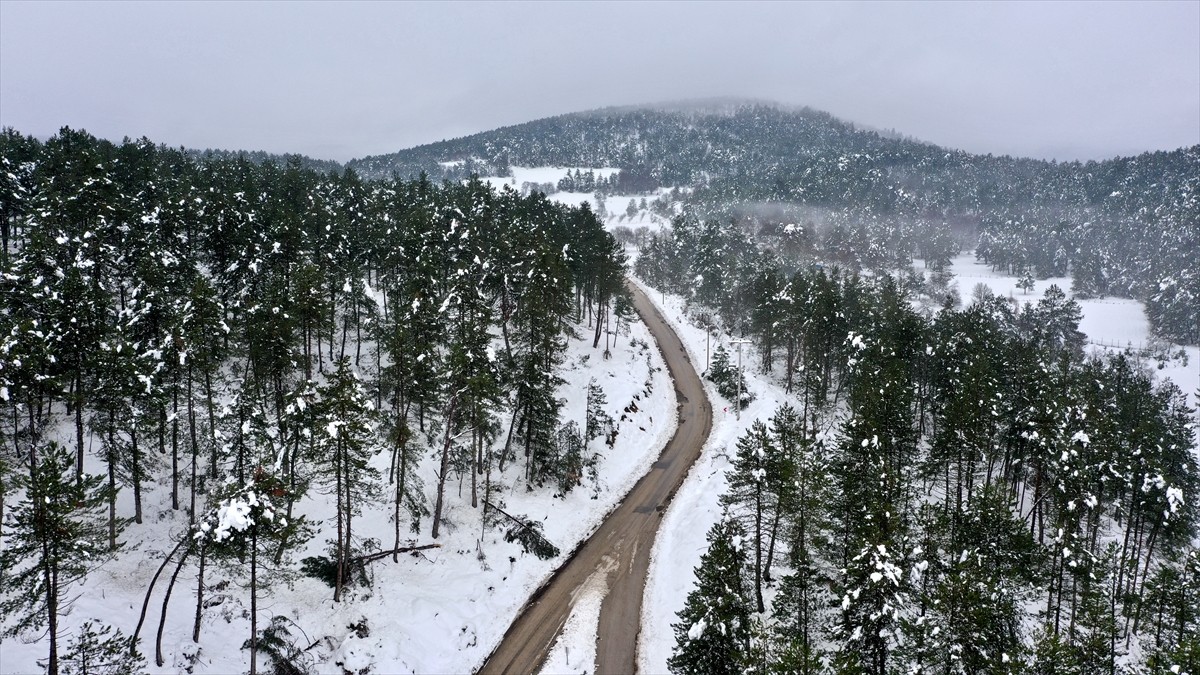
1109,323
682,538
615,205
440,611
574,651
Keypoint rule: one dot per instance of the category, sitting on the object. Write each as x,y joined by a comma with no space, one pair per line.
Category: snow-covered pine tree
97,650
1026,282
713,633
1171,608
573,457
981,570
752,496
244,528
598,420
726,376
55,536
346,439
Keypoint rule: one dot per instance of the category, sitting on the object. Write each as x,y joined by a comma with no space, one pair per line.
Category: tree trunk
52,612
191,410
212,424
444,469
175,441
253,599
771,546
477,460
511,424
349,530
338,470
150,590
401,478
758,550
199,594
112,489
357,334
78,426
599,323
137,475
162,617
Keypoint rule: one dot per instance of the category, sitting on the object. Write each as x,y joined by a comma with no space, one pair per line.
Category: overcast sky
1069,80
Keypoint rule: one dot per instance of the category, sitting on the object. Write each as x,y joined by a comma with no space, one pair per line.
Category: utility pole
737,405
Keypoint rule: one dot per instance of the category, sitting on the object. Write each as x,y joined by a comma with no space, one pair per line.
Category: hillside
1124,227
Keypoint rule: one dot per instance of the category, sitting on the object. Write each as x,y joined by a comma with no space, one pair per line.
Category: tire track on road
626,536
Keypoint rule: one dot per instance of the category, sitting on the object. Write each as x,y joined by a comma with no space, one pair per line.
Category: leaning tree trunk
162,617
443,470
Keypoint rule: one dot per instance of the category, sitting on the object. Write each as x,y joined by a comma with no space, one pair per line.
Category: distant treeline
1125,227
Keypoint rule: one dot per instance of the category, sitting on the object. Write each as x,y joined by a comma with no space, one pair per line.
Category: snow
440,610
615,205
543,174
444,609
234,515
574,651
1109,323
682,538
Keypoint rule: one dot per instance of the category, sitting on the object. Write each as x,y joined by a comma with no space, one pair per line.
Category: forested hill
674,144
1125,226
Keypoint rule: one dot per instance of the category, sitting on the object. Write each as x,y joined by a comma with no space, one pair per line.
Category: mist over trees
1123,227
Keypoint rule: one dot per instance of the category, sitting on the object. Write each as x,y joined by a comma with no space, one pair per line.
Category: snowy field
1110,323
615,206
441,610
682,538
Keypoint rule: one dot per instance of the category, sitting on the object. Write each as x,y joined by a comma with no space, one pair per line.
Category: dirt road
620,547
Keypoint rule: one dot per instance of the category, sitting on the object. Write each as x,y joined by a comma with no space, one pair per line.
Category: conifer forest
231,375
962,492
243,336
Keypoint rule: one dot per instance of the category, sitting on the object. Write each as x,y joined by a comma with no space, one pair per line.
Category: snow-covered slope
439,610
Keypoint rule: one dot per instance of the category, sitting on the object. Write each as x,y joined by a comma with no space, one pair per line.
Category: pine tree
598,420
730,379
245,526
804,513
713,633
55,537
572,457
345,442
984,570
1026,282
1171,604
97,650
756,470
795,648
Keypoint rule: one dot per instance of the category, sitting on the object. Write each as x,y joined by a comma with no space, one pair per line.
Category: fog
336,81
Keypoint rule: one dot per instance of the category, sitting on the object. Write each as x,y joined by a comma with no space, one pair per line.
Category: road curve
620,547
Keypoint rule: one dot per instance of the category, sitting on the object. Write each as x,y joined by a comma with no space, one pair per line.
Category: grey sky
1064,80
